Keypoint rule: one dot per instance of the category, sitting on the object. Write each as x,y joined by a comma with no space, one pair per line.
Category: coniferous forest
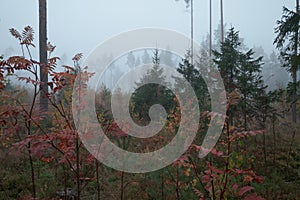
257,155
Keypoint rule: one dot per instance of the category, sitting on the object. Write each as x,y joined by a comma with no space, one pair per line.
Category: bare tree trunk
274,138
43,54
222,21
295,69
294,77
210,29
192,32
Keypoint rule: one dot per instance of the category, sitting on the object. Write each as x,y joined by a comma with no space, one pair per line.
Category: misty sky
79,26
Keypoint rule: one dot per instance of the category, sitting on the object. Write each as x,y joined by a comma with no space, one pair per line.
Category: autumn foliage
46,146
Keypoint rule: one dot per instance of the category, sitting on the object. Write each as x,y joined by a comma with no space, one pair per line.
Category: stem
78,169
122,185
177,182
213,187
265,111
22,50
227,160
198,176
97,176
274,139
162,186
45,133
32,173
28,52
28,126
65,183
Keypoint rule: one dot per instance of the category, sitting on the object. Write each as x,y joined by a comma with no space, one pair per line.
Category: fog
79,26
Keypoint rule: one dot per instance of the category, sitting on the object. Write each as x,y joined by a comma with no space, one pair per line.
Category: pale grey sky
79,26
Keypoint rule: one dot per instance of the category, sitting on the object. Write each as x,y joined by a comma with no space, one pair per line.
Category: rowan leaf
245,189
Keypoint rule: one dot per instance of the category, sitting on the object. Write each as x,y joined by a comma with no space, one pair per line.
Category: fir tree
287,41
147,95
130,60
146,58
194,77
241,73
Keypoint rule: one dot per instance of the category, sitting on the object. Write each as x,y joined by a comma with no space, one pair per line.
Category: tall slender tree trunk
294,77
222,21
210,29
43,54
274,138
295,69
192,32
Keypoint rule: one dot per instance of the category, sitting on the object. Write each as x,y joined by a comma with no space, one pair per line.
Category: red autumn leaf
216,153
245,189
198,148
47,159
258,179
235,187
50,84
253,197
183,159
248,179
214,169
77,57
206,178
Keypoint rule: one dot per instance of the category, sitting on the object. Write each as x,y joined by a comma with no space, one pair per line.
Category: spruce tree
192,74
146,58
241,72
287,41
147,95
